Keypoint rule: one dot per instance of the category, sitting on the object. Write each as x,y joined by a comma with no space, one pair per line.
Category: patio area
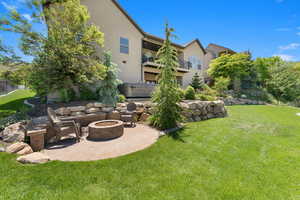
133,140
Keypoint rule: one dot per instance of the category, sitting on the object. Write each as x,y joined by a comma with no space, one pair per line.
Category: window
195,62
124,45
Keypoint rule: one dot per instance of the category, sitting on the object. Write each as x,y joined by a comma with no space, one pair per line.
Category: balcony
184,66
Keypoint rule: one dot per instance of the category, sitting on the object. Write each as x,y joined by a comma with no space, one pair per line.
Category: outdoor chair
129,116
60,127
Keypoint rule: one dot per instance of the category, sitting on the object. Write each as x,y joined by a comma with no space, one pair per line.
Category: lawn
13,102
254,154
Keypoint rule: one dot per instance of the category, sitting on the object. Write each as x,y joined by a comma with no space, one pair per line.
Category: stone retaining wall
240,101
191,110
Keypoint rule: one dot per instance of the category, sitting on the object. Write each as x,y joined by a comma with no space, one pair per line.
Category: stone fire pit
105,130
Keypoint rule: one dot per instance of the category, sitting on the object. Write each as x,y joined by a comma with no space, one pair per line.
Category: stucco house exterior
134,50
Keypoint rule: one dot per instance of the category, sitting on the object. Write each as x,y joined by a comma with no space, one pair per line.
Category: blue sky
265,27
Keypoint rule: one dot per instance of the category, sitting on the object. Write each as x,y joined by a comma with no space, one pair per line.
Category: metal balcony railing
182,63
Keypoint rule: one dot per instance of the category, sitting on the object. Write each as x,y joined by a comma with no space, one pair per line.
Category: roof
220,47
153,37
198,42
146,35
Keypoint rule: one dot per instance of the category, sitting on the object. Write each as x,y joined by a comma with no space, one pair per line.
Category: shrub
121,98
87,94
190,93
221,85
67,95
204,97
15,118
181,93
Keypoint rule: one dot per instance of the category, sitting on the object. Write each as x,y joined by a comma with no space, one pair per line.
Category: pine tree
197,82
108,90
167,112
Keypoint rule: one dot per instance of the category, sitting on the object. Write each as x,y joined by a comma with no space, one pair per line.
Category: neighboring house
214,51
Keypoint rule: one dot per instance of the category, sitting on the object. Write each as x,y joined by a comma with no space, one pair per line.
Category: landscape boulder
16,147
13,133
77,108
34,158
63,111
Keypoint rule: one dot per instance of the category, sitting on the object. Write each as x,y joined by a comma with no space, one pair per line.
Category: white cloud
283,29
8,6
286,57
290,46
27,16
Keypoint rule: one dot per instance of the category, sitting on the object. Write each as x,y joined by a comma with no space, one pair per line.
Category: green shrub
221,85
87,94
190,93
209,91
181,93
121,98
67,95
204,97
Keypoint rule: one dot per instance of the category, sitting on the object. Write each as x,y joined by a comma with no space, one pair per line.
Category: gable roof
219,47
198,42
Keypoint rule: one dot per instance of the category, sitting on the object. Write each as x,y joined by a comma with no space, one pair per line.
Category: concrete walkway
134,139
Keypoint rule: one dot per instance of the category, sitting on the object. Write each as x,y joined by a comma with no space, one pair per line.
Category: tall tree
166,96
108,90
65,55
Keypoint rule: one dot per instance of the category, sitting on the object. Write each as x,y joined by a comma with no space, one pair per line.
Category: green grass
13,102
252,155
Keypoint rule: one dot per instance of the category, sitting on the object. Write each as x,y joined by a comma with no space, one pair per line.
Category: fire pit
105,130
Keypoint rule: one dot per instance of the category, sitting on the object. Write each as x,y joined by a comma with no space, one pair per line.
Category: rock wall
191,110
241,101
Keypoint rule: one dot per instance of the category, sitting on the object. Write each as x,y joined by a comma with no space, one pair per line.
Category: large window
195,62
124,45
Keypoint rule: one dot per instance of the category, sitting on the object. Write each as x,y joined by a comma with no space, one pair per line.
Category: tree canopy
66,54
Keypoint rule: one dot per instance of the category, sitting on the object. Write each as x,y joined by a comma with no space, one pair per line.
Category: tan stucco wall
207,59
193,50
113,23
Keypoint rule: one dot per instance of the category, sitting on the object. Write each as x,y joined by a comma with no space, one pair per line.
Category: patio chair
129,115
60,126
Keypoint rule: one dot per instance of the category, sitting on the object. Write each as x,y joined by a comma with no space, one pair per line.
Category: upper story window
195,62
124,45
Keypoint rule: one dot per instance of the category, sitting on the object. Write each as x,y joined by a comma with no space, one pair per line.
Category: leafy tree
108,90
284,83
65,55
7,55
233,66
264,67
197,82
221,85
17,74
167,112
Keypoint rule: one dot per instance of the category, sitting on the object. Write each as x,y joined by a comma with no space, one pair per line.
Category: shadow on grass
16,105
180,135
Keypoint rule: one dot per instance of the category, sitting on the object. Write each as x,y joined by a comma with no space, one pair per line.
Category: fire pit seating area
45,130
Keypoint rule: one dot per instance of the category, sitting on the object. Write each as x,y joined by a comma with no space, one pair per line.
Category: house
213,51
134,50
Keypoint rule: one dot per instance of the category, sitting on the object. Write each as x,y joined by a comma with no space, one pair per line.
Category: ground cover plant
253,154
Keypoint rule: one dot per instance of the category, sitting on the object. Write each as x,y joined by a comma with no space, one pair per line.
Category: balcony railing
182,63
